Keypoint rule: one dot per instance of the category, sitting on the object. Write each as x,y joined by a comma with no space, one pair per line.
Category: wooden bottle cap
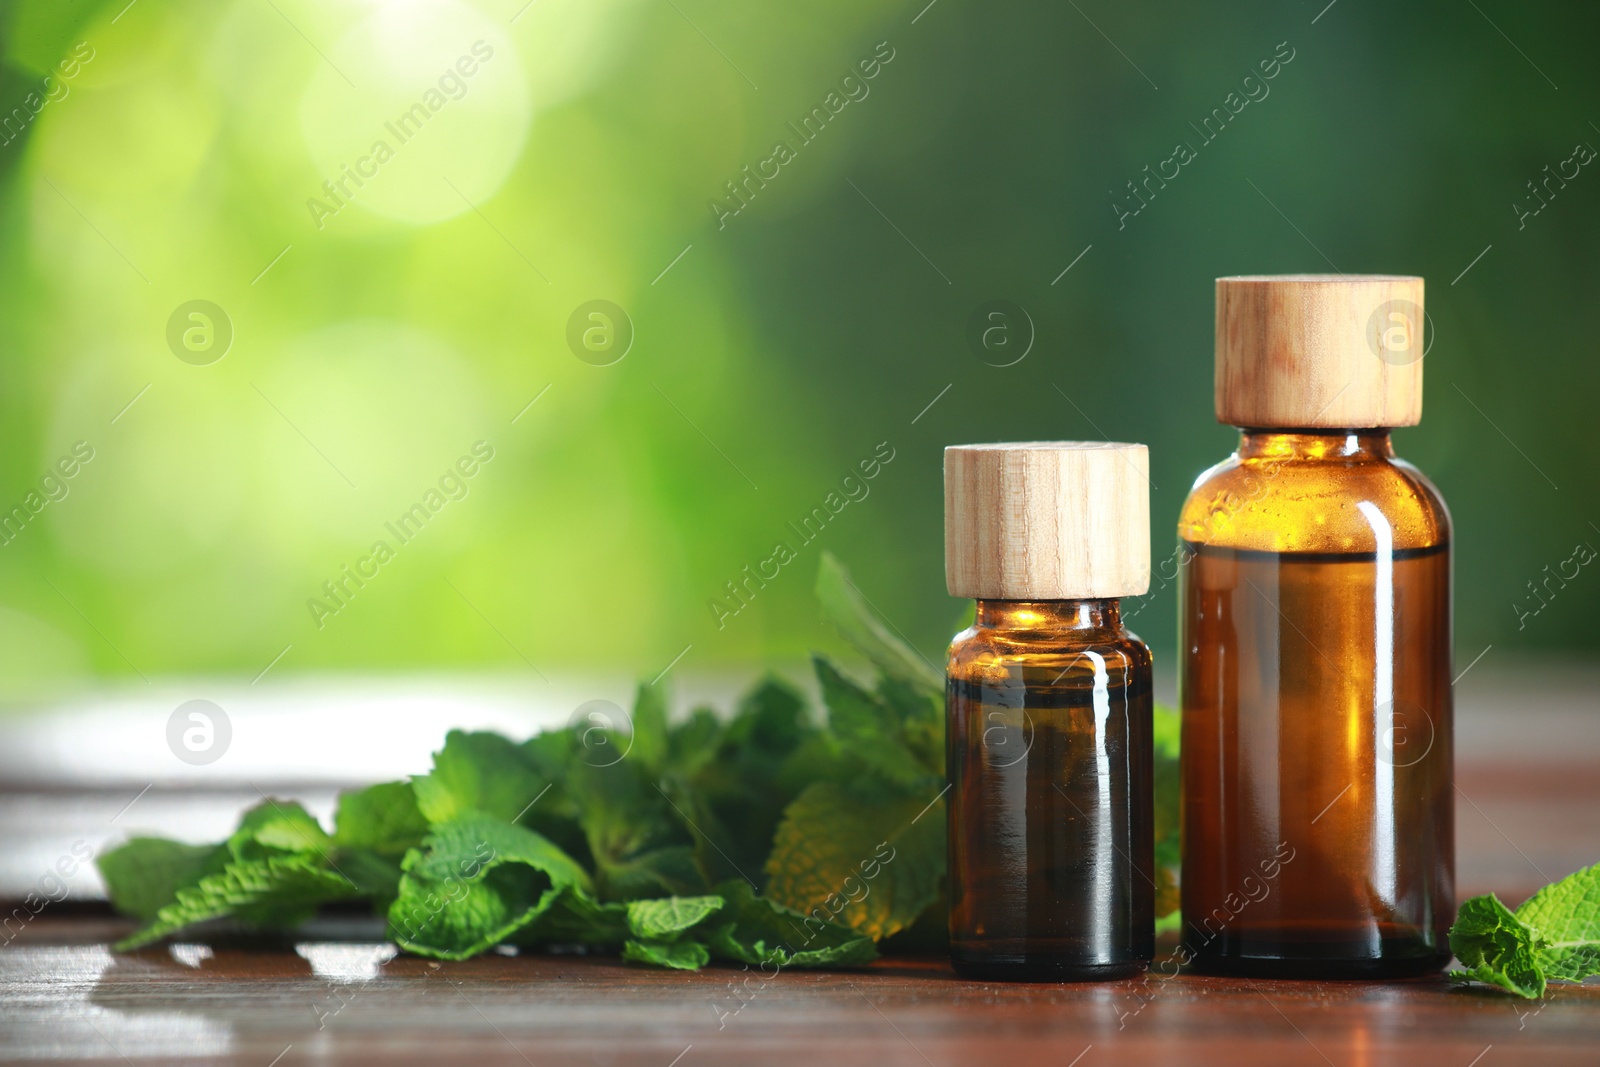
1341,351
1047,520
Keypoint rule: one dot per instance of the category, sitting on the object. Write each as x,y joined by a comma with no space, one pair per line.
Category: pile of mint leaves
774,835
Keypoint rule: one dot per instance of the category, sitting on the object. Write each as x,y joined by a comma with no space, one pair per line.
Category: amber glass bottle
1315,618
1051,840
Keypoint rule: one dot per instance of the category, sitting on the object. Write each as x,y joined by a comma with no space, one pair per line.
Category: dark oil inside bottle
1051,835
1318,813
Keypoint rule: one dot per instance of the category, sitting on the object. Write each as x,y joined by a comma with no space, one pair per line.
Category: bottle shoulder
1273,504
978,654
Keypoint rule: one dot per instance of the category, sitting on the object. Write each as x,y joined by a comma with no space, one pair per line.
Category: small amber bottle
1318,832
1048,726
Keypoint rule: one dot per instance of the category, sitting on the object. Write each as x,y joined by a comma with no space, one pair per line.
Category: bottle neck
1342,445
1085,614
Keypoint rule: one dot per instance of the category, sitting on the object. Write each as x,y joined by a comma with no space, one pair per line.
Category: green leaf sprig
1554,935
765,838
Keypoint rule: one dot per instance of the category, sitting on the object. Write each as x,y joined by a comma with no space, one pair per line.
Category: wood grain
1047,520
76,1003
1319,350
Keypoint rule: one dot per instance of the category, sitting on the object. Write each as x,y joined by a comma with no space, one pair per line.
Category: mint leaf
672,869
575,917
383,818
273,870
769,719
1555,934
1496,947
921,719
666,919
732,796
144,875
376,875
817,758
861,625
649,740
1565,916
869,730
474,883
693,743
865,854
719,851
758,931
275,827
550,753
373,829
280,890
679,955
636,837
477,773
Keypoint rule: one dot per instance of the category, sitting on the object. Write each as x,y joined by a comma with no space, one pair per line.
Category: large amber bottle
1051,836
1315,629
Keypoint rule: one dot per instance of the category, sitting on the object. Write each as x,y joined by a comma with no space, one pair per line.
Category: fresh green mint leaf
673,869
474,883
638,840
144,875
868,855
374,828
575,917
649,741
819,757
869,730
550,753
693,743
733,798
468,847
1496,947
274,870
481,773
667,918
1555,934
1565,916
758,931
921,719
687,955
275,827
382,818
375,874
724,849
279,890
770,719
861,625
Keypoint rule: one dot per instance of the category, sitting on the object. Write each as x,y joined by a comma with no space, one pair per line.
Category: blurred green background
167,151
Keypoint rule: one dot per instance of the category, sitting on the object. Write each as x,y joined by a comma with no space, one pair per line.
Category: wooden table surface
1528,777
66,998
